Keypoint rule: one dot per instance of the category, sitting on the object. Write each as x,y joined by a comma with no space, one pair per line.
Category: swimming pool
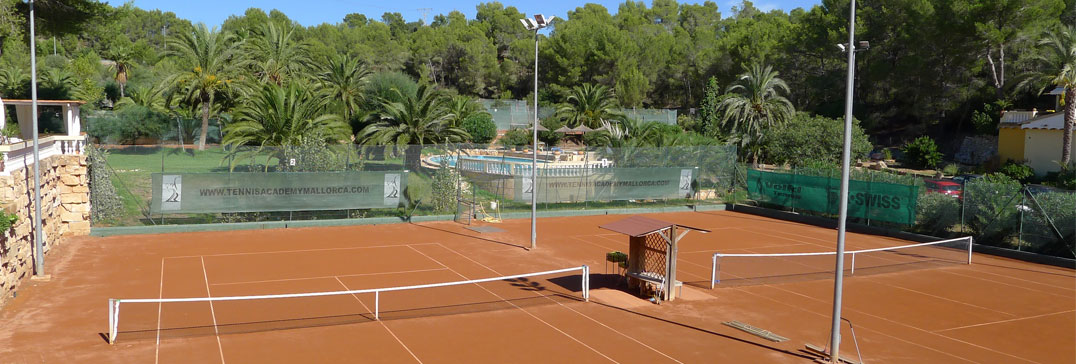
452,159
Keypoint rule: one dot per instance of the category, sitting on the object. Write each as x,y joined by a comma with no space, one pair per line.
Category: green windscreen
294,191
606,184
866,200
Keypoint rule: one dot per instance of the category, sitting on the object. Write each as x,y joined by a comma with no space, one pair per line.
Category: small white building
17,152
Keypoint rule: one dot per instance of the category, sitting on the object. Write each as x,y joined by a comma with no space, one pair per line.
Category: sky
313,12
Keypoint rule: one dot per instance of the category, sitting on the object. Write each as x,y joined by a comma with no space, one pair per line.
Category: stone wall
65,201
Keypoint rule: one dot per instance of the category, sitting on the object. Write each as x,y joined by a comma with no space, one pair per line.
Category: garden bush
104,200
124,126
1019,172
481,127
936,214
922,153
812,138
516,137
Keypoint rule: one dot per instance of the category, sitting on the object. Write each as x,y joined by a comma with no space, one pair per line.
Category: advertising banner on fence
249,192
866,200
607,184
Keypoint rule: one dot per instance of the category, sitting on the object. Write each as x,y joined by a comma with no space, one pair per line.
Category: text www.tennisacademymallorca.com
255,191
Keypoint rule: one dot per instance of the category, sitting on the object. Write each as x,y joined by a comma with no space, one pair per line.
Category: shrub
812,138
990,208
104,200
922,153
1019,172
1064,178
551,138
951,169
126,125
516,137
936,214
7,220
445,188
481,127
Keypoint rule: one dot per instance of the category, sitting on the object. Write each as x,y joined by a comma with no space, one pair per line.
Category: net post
853,264
111,321
971,241
586,283
713,271
377,305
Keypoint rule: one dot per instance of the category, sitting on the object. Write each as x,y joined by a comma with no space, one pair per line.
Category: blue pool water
452,159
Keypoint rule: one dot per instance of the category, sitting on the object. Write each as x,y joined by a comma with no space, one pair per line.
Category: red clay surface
995,310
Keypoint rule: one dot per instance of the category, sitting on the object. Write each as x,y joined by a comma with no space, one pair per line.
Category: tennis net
750,269
192,316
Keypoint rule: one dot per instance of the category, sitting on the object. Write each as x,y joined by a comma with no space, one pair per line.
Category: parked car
944,187
1040,189
965,178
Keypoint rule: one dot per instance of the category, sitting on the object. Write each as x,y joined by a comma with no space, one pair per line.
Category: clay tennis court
995,310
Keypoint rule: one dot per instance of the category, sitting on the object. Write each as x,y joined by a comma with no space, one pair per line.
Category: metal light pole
846,161
39,242
536,24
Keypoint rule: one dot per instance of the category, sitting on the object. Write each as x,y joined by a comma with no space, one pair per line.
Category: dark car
965,178
1040,189
944,187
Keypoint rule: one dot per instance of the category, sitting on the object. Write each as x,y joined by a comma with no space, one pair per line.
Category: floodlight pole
39,243
534,151
842,222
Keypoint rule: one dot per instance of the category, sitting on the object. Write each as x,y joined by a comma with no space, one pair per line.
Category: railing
19,155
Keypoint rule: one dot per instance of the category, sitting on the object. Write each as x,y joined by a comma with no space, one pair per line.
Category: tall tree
274,53
342,78
417,119
754,103
1055,66
1000,23
589,105
210,61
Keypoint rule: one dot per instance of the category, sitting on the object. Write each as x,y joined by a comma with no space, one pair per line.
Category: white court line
516,306
157,350
1004,321
754,247
566,306
297,251
946,299
216,331
381,322
324,277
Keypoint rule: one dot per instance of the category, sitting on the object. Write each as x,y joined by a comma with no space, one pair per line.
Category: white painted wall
1041,148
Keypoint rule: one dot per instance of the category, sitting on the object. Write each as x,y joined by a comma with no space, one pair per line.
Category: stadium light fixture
842,222
39,243
535,25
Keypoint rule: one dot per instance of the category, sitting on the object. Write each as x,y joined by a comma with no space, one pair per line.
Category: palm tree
417,119
463,107
1056,66
753,104
283,116
57,83
342,80
274,54
122,62
589,105
209,57
153,98
12,81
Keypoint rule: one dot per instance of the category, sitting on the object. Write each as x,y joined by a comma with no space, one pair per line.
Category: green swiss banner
293,191
866,200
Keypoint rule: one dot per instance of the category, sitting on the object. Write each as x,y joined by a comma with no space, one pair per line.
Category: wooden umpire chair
652,249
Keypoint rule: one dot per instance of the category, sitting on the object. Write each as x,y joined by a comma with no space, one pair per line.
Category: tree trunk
1070,118
413,157
205,123
122,95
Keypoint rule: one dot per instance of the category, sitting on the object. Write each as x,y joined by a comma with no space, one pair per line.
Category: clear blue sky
312,12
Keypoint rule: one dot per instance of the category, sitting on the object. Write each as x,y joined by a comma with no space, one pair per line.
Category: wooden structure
652,249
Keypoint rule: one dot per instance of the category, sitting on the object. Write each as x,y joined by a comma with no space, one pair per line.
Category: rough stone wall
65,202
